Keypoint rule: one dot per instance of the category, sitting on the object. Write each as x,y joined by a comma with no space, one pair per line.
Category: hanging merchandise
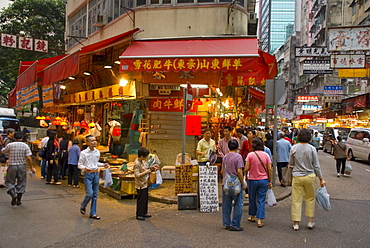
115,131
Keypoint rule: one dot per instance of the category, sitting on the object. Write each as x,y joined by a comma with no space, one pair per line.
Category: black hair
207,129
233,144
268,136
18,135
228,128
82,130
339,138
89,137
76,142
65,136
240,130
52,134
304,135
257,144
142,152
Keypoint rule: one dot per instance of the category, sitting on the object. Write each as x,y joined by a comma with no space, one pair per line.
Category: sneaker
58,183
311,225
295,227
338,175
42,177
234,228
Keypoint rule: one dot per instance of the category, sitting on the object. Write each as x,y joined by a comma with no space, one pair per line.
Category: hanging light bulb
123,82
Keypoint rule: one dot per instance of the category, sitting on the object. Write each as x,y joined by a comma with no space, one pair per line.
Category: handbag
287,175
42,152
152,178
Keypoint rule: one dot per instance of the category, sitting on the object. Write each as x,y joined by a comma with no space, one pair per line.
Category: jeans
43,167
16,179
257,197
341,162
72,174
280,165
227,204
91,181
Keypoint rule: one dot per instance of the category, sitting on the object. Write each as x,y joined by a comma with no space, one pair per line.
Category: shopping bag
348,168
108,180
232,185
271,200
287,175
3,170
152,178
322,198
159,177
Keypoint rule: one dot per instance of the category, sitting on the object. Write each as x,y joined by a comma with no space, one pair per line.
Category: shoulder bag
232,184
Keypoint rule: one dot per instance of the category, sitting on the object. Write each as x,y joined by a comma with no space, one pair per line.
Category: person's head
207,133
339,138
227,131
82,130
91,142
18,135
257,144
142,153
76,142
107,125
233,144
268,136
65,136
240,132
304,135
281,135
251,134
316,133
52,134
10,132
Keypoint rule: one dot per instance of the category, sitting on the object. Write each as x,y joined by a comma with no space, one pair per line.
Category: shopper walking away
306,167
64,145
340,155
204,146
283,147
51,151
73,157
16,177
141,172
43,144
258,173
89,163
232,164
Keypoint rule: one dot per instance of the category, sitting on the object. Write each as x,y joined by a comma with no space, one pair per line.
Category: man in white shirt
89,163
44,141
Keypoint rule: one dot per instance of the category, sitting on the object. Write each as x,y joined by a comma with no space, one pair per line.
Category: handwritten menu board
183,179
208,189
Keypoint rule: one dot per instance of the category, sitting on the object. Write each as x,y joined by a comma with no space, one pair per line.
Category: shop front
220,71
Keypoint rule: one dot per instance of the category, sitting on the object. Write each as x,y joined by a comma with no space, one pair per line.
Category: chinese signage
188,64
307,98
311,107
349,39
242,79
8,40
208,189
167,105
193,125
316,67
311,52
113,92
333,90
347,61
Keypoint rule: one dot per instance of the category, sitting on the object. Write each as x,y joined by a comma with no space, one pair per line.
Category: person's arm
29,160
241,179
246,169
220,148
242,151
269,171
82,162
137,171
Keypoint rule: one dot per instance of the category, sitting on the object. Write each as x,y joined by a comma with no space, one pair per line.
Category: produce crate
116,186
128,187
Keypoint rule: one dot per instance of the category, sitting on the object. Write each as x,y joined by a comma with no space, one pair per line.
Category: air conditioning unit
99,20
252,15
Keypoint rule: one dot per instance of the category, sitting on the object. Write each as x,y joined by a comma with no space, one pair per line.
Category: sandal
82,210
95,217
259,223
252,219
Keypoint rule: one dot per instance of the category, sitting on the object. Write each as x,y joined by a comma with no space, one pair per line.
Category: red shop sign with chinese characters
167,105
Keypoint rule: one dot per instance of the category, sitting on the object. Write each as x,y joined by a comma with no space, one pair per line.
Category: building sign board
349,38
311,52
333,90
316,67
307,98
340,61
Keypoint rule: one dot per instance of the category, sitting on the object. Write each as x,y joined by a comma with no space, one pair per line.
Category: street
49,217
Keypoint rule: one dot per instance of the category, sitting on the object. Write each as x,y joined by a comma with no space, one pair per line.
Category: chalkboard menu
183,179
208,189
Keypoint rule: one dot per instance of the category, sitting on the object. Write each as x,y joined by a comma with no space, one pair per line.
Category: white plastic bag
108,181
348,168
159,178
271,200
322,198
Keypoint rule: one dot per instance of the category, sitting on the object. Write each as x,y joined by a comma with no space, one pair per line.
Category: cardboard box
168,172
132,157
128,187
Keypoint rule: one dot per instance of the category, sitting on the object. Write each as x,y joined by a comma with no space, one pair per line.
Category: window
359,135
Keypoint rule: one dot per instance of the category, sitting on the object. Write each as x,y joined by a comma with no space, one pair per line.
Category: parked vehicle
8,119
330,137
358,143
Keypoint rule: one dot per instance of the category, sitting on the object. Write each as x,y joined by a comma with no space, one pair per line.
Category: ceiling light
200,86
123,82
108,67
72,77
63,87
117,62
87,73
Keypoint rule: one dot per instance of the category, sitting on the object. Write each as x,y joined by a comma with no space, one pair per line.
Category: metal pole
275,138
184,126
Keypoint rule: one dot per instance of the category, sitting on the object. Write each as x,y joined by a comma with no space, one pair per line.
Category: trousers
303,186
16,177
142,202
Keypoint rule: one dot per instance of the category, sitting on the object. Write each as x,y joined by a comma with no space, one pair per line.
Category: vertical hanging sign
208,189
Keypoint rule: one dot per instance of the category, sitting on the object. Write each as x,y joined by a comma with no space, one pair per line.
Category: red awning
301,117
12,98
107,42
190,55
61,69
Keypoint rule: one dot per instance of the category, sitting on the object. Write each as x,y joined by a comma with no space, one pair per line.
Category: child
142,172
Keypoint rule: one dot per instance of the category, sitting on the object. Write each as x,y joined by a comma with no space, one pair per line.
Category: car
330,136
358,144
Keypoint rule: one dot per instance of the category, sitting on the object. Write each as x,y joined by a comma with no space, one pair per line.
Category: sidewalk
165,193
